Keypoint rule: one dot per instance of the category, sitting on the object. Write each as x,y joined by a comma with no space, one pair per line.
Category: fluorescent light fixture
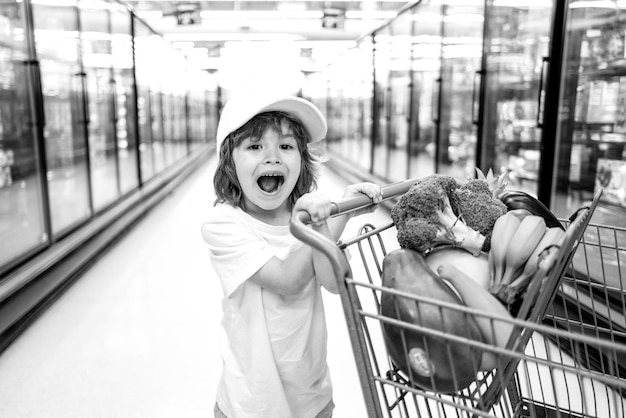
98,5
196,54
184,45
95,36
261,14
53,35
151,14
524,4
58,3
465,3
232,36
378,14
334,45
585,4
593,33
290,1
464,18
462,40
426,17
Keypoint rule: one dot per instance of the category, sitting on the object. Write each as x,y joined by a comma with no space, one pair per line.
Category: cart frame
494,393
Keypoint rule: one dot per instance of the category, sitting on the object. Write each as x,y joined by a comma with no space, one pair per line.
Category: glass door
348,85
22,225
590,155
147,148
591,131
62,84
382,99
516,53
95,20
124,102
460,84
400,96
425,87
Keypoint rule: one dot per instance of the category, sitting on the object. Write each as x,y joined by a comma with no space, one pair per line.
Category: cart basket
538,372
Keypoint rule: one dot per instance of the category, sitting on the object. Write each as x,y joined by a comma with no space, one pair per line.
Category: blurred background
106,106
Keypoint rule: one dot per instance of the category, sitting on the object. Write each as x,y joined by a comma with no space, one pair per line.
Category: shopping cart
567,356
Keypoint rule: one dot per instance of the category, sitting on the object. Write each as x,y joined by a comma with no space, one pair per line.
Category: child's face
268,169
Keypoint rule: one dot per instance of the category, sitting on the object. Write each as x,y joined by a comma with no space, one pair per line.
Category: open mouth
271,182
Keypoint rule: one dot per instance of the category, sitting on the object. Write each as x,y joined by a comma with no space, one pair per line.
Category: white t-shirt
273,347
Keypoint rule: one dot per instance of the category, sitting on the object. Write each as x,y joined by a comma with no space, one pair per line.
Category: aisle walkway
136,336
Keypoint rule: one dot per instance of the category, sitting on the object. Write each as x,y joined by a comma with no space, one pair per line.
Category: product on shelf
611,176
616,45
620,114
602,105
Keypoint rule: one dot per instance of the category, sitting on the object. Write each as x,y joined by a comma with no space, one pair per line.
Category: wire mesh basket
566,356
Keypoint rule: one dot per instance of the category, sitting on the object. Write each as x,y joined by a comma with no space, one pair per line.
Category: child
273,326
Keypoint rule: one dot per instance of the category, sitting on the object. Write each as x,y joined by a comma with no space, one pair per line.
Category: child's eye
254,146
287,147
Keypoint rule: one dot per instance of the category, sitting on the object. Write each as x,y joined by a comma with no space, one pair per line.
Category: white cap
241,109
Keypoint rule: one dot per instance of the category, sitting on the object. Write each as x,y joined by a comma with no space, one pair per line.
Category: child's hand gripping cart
428,344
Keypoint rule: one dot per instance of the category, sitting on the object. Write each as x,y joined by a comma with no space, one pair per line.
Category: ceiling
202,28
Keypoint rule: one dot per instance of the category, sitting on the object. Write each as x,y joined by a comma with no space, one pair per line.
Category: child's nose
272,156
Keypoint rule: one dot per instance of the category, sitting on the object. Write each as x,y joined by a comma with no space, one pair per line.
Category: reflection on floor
137,336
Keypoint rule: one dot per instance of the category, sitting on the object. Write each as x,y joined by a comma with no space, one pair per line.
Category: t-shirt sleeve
236,253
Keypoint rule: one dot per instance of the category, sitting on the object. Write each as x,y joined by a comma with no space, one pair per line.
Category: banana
527,236
520,213
495,332
552,237
503,230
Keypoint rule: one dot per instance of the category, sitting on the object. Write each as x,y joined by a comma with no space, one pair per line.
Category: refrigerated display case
383,44
399,96
425,88
590,154
591,130
462,32
125,99
344,94
95,20
22,213
516,55
63,83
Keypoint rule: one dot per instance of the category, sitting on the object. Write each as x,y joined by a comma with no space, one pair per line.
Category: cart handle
301,218
320,242
352,203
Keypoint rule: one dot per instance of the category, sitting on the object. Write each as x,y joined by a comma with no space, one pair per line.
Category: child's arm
291,275
318,206
332,229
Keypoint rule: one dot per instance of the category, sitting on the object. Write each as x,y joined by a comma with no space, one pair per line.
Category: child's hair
227,187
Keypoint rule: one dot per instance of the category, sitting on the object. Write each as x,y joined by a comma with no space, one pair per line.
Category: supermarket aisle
137,335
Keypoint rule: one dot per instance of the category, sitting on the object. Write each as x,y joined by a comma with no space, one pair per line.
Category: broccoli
424,217
475,204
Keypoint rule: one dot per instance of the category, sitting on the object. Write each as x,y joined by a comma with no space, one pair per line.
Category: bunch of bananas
517,242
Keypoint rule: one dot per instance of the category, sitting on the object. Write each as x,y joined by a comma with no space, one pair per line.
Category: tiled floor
136,336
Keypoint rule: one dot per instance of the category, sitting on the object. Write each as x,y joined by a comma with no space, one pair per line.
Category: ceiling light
464,18
184,45
327,44
360,14
59,3
620,4
426,17
523,4
261,14
232,36
151,14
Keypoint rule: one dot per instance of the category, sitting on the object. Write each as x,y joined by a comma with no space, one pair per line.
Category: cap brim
239,110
